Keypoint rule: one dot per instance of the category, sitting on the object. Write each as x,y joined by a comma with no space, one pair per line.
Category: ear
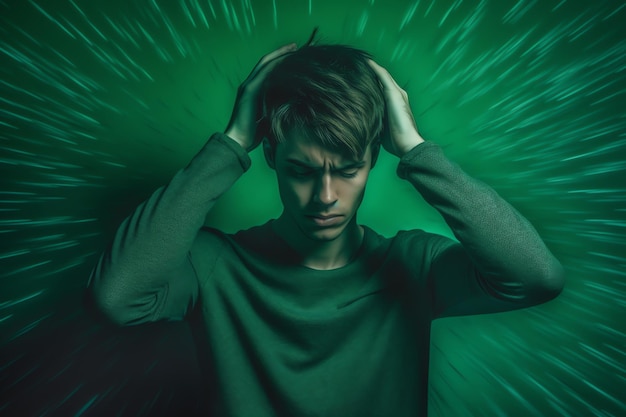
269,153
375,153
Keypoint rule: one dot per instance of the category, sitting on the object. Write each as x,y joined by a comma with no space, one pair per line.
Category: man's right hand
243,124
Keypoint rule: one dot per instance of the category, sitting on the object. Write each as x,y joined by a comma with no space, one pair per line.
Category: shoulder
418,244
210,237
419,237
406,258
206,249
212,247
407,239
254,240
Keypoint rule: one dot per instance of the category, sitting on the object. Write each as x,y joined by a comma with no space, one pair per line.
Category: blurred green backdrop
102,101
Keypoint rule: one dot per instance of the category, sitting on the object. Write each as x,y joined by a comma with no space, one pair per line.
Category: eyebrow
358,164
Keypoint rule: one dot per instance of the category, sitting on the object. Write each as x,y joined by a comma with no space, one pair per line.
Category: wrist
233,135
417,140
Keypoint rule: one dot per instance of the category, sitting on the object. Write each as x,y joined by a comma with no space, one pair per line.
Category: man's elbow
105,308
106,301
550,283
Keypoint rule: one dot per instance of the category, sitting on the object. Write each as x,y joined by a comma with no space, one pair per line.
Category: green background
102,101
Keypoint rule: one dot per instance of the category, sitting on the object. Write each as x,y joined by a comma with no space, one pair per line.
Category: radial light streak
100,102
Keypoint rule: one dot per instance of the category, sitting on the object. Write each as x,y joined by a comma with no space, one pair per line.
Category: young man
312,314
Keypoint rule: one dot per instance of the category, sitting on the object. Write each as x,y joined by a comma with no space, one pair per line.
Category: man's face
321,190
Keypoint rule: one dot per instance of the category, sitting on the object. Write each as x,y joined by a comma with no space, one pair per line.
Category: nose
325,193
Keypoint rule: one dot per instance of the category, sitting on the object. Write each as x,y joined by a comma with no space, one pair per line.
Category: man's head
329,91
323,109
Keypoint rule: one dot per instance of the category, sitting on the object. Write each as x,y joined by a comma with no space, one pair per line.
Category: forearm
513,261
158,235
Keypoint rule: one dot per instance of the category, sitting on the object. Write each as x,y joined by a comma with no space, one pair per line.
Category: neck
321,254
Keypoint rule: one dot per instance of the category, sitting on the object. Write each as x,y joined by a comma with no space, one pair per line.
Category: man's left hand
403,135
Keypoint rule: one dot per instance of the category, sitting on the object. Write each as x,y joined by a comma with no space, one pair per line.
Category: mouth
325,220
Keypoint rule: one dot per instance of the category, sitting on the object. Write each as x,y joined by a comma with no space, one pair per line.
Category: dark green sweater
276,338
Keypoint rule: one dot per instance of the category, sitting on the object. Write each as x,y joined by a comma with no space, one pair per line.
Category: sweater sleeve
501,262
147,273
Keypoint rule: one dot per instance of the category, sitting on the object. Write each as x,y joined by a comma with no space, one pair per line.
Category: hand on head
244,120
402,135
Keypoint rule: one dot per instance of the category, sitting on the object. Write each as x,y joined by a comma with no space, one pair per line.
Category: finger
383,75
271,57
389,83
254,82
280,51
256,79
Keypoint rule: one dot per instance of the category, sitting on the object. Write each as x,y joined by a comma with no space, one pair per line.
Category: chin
325,234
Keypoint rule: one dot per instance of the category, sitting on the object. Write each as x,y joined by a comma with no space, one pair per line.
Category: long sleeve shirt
276,338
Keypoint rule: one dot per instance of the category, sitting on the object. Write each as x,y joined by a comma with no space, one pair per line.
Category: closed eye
300,173
349,174
305,174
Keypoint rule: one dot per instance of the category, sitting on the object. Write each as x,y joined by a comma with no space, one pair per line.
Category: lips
324,216
325,219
